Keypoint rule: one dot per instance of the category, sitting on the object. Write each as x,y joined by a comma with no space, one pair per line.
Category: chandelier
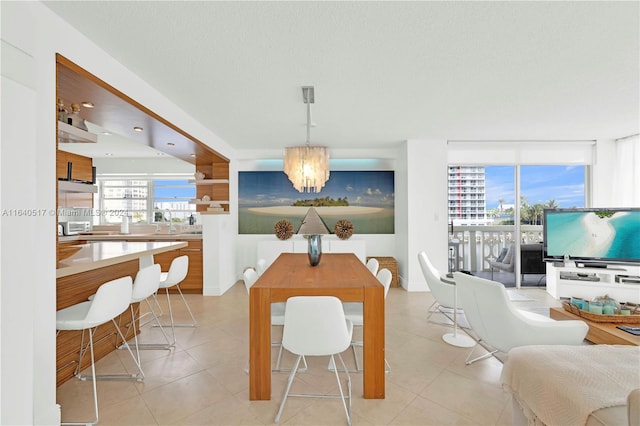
307,166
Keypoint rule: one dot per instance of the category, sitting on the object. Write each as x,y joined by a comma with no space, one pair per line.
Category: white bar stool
145,286
111,300
177,273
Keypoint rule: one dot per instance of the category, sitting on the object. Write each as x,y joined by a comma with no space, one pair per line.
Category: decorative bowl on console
633,318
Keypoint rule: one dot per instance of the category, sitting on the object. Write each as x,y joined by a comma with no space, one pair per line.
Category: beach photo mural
366,198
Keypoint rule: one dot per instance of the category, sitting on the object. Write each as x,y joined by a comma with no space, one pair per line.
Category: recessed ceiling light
193,155
106,133
138,129
171,144
108,154
159,153
87,104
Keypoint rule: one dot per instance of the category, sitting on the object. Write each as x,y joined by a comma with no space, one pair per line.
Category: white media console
621,282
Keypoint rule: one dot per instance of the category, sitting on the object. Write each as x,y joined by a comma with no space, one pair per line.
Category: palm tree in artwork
501,205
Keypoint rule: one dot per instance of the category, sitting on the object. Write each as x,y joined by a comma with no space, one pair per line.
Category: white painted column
218,254
425,177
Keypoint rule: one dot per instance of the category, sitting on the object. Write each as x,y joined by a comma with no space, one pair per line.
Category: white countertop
130,237
107,253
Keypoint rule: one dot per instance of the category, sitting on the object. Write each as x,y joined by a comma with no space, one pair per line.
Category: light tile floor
202,381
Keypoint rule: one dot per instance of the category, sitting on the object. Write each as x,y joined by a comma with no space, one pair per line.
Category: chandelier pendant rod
308,123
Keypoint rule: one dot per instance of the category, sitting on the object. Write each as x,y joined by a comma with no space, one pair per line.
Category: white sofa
574,385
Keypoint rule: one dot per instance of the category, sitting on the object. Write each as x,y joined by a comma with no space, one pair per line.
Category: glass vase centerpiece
313,227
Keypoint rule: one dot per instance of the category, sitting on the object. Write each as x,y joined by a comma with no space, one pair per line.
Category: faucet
170,220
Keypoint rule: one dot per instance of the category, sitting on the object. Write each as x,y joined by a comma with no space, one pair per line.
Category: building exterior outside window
466,195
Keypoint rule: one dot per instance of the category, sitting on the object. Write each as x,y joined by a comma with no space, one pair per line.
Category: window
482,208
146,200
486,195
543,187
124,195
173,195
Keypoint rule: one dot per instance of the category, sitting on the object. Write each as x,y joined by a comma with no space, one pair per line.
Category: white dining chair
316,326
277,317
353,311
261,266
373,265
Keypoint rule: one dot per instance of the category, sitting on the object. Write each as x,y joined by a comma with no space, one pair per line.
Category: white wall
426,183
602,172
219,252
27,165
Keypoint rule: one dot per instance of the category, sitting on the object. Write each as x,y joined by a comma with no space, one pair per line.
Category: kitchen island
193,281
81,269
94,255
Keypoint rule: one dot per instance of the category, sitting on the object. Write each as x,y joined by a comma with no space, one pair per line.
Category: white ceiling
383,72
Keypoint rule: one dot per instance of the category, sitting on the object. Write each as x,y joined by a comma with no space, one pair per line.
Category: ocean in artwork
380,221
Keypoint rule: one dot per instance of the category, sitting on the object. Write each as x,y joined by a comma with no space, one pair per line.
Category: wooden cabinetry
82,167
73,194
215,185
193,282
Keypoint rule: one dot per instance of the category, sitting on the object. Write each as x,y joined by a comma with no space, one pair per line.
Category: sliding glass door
495,217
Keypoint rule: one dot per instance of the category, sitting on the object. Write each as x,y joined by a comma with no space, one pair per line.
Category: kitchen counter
130,237
94,255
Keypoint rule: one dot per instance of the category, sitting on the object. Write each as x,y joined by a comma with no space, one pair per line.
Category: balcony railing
479,244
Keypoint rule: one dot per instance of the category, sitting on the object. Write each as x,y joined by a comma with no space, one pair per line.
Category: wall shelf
209,203
70,186
209,181
69,134
215,185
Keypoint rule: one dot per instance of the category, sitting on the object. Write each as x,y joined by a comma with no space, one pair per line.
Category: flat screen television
592,237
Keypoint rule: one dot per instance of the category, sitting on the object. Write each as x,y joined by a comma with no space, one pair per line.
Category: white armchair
500,325
442,292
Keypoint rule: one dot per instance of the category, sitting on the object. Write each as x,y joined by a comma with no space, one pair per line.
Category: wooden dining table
341,275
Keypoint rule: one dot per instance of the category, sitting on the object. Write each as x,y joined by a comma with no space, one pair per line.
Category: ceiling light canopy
307,166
